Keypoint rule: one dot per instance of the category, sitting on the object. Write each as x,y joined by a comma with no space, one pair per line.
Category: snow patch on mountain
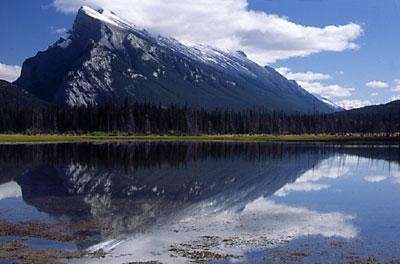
103,15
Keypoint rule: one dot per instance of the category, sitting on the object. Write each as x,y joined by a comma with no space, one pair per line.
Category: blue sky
30,26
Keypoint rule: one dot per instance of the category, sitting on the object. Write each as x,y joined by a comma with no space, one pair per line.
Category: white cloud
10,190
377,84
374,94
328,91
394,98
396,87
314,179
352,104
60,31
301,187
375,178
228,24
339,72
312,82
396,174
303,76
391,172
261,222
9,72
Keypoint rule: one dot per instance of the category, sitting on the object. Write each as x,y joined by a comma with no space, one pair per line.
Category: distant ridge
379,110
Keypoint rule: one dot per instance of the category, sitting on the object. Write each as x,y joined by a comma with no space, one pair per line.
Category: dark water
179,202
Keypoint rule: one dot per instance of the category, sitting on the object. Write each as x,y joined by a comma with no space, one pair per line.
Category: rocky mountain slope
105,58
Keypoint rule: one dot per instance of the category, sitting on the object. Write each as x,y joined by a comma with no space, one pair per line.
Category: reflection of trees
136,155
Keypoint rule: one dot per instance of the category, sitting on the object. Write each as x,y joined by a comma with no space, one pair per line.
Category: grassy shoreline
99,137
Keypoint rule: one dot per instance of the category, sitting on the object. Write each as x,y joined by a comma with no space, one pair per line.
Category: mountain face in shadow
104,58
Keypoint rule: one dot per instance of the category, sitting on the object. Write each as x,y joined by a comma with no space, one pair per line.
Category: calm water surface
222,202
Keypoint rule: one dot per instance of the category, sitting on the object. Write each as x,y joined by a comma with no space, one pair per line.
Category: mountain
384,110
105,58
12,97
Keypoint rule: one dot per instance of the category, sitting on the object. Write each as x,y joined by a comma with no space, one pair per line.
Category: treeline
130,117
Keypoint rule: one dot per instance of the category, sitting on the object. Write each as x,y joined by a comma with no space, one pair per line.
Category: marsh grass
112,137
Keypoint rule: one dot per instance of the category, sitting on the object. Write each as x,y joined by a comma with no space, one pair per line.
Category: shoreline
112,138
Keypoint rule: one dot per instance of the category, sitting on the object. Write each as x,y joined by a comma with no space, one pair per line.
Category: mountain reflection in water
156,194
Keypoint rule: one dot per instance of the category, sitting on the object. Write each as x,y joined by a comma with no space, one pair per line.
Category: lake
200,202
